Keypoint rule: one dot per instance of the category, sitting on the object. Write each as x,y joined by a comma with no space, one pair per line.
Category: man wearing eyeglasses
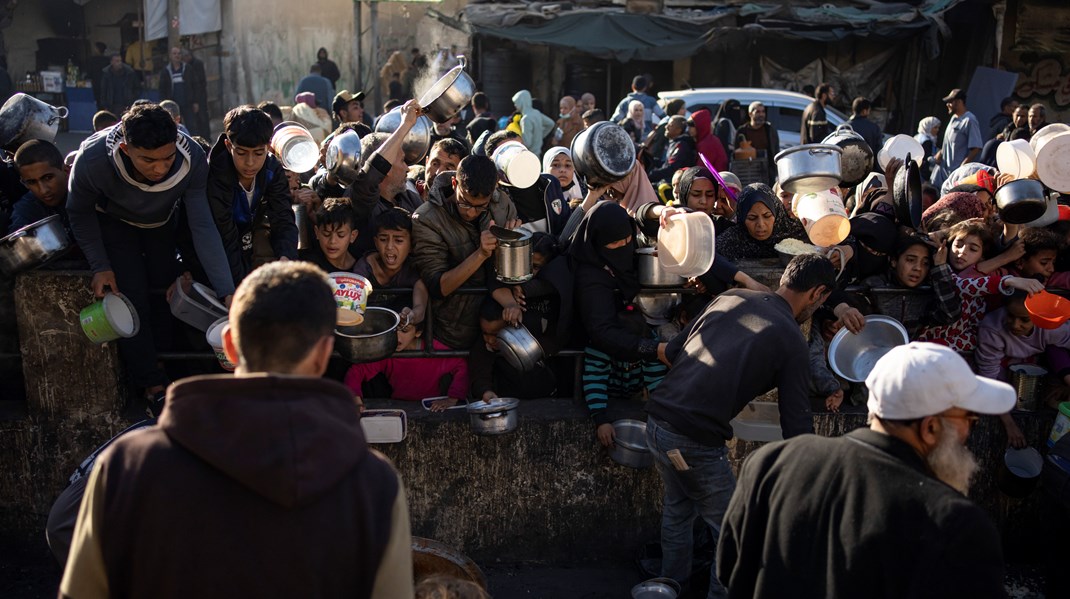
880,510
452,245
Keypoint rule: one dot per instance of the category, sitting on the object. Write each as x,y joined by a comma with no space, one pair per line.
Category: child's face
393,246
1041,263
335,239
1017,320
912,266
965,252
562,168
407,336
46,182
247,160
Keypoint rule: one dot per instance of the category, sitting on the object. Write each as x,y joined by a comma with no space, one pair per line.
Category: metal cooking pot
449,94
1021,201
416,143
343,157
657,308
656,588
629,444
33,245
520,348
906,194
495,416
857,159
651,273
24,117
603,153
809,168
370,341
853,356
512,259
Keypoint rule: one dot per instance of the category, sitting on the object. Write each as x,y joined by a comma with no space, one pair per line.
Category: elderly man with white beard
880,511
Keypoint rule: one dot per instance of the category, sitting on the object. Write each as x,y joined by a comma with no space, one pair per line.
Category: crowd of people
151,207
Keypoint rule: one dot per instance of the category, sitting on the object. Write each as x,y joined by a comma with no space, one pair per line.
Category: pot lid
613,148
496,404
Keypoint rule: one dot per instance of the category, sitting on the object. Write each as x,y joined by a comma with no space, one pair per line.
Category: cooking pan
449,94
1021,201
906,194
33,245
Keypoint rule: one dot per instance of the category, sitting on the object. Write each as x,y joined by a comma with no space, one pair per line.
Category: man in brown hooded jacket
259,484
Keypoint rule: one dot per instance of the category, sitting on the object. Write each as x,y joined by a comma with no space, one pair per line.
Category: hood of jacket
522,100
290,439
703,124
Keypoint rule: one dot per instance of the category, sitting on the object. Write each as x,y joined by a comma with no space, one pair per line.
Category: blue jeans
703,490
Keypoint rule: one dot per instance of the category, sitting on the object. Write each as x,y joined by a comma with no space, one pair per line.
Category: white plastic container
1016,158
517,166
759,421
823,216
199,307
899,146
685,246
384,426
214,336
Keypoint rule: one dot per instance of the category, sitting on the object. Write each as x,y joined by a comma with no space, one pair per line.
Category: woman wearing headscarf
557,162
761,223
728,119
929,138
699,191
706,142
953,208
621,355
635,122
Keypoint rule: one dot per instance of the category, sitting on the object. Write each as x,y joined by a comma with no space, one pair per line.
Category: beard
950,461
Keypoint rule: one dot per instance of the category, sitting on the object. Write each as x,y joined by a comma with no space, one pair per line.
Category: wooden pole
358,72
173,36
373,68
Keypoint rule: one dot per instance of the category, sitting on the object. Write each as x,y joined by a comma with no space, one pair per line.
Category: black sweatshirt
744,344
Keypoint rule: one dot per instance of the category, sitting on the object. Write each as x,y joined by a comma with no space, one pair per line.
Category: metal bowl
656,588
520,348
33,245
1021,201
449,94
629,444
416,143
657,308
370,341
343,157
853,356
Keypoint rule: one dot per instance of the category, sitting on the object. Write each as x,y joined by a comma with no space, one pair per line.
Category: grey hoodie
534,125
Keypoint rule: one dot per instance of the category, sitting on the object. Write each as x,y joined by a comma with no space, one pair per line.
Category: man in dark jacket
815,123
681,153
744,344
175,83
197,79
762,137
880,511
327,67
119,86
861,124
451,245
250,194
269,464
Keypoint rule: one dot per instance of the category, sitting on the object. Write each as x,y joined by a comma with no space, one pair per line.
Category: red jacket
707,143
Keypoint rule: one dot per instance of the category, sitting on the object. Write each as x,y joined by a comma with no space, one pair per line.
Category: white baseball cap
924,379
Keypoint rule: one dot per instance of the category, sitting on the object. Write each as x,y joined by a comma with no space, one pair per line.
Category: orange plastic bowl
1047,310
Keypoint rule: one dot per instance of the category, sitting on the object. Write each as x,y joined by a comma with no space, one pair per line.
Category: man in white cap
881,510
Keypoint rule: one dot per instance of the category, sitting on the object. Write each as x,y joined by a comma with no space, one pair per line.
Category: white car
784,109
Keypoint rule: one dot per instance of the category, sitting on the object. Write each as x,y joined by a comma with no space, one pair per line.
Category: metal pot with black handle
495,416
24,117
1021,201
809,168
33,245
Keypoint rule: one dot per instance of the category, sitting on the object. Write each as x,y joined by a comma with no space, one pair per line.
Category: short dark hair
477,175
1006,102
315,68
809,271
104,119
498,138
395,219
481,101
860,103
594,115
147,126
38,150
271,109
639,83
355,126
172,107
673,106
907,241
280,312
1036,240
823,88
335,212
391,104
370,143
451,146
248,126
1039,108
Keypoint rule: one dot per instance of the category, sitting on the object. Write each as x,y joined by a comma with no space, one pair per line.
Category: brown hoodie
251,486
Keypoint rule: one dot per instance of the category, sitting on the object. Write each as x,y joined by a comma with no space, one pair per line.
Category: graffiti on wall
1047,79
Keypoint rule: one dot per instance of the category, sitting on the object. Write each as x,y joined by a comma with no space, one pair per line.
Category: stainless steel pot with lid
603,153
809,168
512,259
33,245
495,416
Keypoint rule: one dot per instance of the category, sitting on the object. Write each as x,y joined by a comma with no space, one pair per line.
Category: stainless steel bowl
853,356
33,245
629,444
656,588
657,308
449,94
370,341
343,157
416,143
809,168
520,348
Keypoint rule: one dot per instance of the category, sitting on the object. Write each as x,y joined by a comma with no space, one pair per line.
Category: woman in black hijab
728,119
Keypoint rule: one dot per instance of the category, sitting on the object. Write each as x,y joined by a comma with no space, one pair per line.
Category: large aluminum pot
520,348
652,273
370,341
416,143
33,245
24,117
853,356
495,416
1021,201
809,168
857,159
512,259
603,153
629,444
449,94
343,157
